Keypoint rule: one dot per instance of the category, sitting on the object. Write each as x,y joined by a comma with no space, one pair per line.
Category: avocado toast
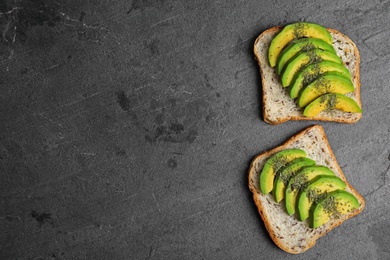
278,89
292,232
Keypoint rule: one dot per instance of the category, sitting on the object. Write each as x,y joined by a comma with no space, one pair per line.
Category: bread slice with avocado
279,105
289,229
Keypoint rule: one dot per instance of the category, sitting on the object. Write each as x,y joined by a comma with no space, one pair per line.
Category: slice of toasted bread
278,107
286,231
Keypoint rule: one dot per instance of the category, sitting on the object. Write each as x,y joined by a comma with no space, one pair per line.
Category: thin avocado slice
331,101
303,44
273,164
285,173
295,31
311,72
299,182
302,59
332,205
314,191
326,83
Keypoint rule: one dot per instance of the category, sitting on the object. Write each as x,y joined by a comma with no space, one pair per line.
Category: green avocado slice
295,31
300,181
303,44
273,164
314,191
331,101
332,205
285,173
311,72
302,59
326,83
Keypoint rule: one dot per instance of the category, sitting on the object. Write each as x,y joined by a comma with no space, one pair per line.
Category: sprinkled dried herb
300,182
330,207
332,100
286,177
279,162
314,57
308,46
299,30
314,195
322,85
310,75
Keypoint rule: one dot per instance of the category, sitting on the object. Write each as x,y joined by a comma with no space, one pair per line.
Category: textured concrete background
127,128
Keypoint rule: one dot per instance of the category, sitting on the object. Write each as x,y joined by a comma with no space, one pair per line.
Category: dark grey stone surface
127,128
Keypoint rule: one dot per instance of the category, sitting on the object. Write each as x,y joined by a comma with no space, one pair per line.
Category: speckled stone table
127,128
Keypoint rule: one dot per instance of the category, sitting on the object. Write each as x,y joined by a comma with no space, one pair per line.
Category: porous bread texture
278,107
287,232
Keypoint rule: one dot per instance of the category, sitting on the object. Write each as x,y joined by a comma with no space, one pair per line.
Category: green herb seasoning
332,100
310,75
299,183
330,207
312,194
299,30
279,162
322,85
323,99
308,46
314,57
286,177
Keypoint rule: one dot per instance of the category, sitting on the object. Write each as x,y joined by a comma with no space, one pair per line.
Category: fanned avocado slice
273,164
295,31
304,44
302,59
299,182
331,101
312,72
284,174
314,191
326,83
332,205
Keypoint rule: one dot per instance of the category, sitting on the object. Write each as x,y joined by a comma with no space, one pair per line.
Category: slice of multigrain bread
290,234
278,107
